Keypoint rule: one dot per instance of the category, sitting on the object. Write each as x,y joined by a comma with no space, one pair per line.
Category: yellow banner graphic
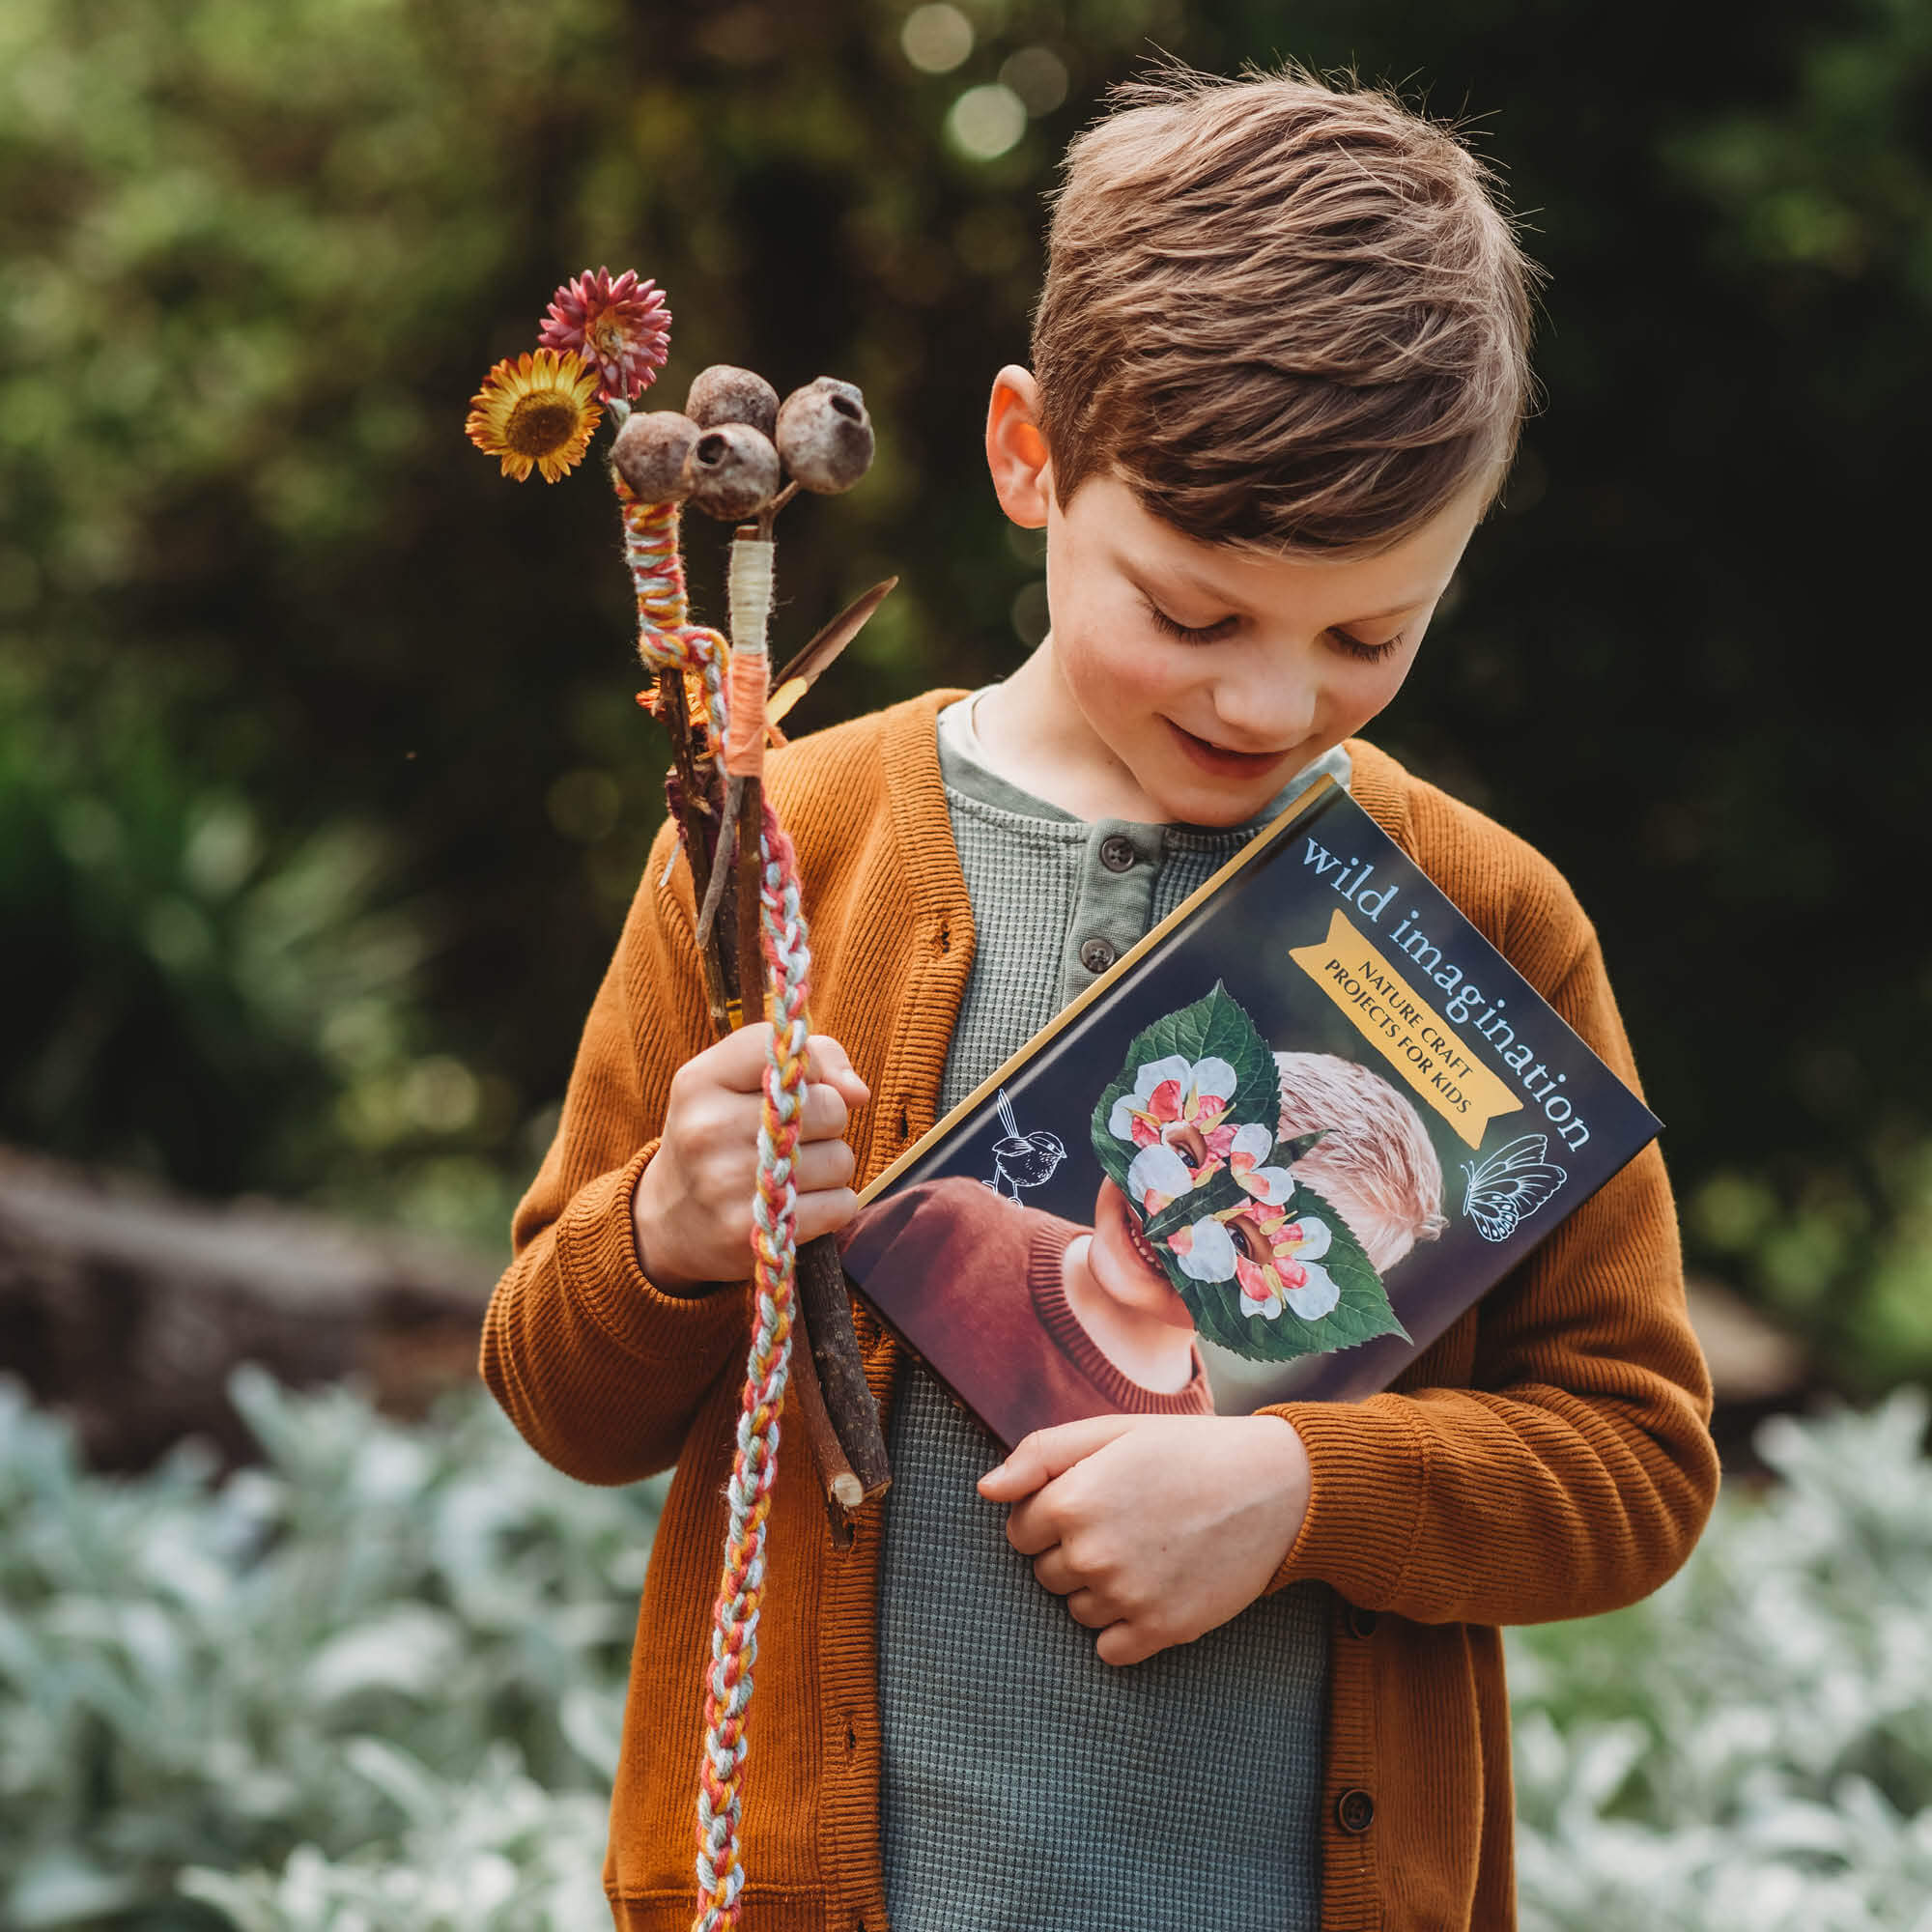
1409,1032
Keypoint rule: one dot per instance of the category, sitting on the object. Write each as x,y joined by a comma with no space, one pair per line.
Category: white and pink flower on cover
1205,1251
1277,1262
620,325
1250,1147
1175,1118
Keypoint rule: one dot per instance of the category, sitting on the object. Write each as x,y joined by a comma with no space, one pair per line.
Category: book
1270,1155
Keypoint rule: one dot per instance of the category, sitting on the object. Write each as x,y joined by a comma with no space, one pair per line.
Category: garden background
323,791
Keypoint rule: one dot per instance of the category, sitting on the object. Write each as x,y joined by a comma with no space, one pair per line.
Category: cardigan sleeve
601,1371
1575,1473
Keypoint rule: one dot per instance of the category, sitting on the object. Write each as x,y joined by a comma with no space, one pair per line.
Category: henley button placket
1097,955
1118,854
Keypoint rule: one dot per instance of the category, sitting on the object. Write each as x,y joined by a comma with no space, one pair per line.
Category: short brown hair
1375,1163
1291,317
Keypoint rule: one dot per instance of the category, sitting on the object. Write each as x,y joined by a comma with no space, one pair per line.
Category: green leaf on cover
1215,1027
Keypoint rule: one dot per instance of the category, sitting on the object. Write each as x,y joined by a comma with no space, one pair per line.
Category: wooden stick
842,1370
844,1494
750,859
722,870
693,808
836,1405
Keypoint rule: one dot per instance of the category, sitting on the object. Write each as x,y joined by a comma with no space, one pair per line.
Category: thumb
1046,1453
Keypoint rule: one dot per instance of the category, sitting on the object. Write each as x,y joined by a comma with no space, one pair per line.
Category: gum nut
733,471
650,453
825,436
722,394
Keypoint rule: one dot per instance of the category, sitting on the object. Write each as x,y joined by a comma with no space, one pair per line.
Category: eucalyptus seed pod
732,472
649,454
825,436
724,394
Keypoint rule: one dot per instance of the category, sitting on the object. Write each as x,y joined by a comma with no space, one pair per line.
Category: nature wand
728,453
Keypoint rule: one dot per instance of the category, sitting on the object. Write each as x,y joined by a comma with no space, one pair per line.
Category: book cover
1269,1156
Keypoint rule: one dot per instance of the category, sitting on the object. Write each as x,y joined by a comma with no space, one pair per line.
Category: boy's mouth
1221,761
1137,1240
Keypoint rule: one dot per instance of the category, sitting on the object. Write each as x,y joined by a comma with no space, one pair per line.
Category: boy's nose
1266,714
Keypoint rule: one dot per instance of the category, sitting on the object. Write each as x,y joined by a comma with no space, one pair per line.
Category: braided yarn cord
667,639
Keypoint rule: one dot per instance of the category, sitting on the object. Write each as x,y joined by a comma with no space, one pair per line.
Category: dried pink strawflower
622,325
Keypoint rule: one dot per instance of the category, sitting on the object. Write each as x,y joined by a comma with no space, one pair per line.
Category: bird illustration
1022,1160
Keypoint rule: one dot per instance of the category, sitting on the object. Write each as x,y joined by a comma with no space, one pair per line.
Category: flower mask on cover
1187,1131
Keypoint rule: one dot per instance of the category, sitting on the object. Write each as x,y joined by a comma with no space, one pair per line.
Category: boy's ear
1016,452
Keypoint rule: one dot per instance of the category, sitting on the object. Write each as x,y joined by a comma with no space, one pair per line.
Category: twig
834,1400
844,1492
826,1303
750,937
721,866
768,515
693,808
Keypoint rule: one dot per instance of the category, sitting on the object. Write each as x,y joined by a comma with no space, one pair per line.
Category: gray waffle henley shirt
1026,1784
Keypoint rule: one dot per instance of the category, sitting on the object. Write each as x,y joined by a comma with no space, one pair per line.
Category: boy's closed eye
1346,641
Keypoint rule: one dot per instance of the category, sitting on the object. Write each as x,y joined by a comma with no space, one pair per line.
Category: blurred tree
322,790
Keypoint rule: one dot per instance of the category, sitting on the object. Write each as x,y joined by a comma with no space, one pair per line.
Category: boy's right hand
691,1216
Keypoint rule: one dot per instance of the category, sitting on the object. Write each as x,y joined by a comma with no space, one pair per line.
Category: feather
802,672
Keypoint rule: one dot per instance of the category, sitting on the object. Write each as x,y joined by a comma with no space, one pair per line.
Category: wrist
1289,1479
654,1251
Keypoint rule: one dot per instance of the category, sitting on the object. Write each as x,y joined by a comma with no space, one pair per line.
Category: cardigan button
1361,1621
1355,1811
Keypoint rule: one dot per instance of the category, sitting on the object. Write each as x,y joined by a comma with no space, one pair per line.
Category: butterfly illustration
1515,1180
1022,1160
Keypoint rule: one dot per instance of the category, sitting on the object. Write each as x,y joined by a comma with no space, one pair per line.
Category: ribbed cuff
1368,1478
597,1257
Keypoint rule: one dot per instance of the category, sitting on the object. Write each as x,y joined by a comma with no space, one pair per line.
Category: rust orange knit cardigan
1548,1458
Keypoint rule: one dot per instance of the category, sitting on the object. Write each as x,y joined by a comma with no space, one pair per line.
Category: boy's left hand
1155,1527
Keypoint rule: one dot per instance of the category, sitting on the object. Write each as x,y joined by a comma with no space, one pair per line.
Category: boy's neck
1030,735
1154,1353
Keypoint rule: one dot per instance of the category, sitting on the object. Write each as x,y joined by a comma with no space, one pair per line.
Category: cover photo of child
1033,1320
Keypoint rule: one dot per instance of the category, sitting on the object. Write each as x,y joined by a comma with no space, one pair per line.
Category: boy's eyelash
1208,634
1205,633
1360,647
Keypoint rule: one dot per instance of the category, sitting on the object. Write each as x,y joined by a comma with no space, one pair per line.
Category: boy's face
1190,681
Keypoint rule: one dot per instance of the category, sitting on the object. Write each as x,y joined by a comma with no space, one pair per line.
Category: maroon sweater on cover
973,1281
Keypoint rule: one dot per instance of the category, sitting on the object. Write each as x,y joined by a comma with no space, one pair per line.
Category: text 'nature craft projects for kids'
1312,1117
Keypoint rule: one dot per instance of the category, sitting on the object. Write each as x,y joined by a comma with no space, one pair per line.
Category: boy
1279,366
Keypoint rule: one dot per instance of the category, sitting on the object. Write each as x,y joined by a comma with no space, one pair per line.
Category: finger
826,1212
737,1062
1054,1571
827,1061
825,1112
1088,1607
1046,1453
1033,1526
819,1166
1127,1643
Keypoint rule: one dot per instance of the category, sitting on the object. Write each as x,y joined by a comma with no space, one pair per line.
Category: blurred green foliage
376,1682
321,789
409,1638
